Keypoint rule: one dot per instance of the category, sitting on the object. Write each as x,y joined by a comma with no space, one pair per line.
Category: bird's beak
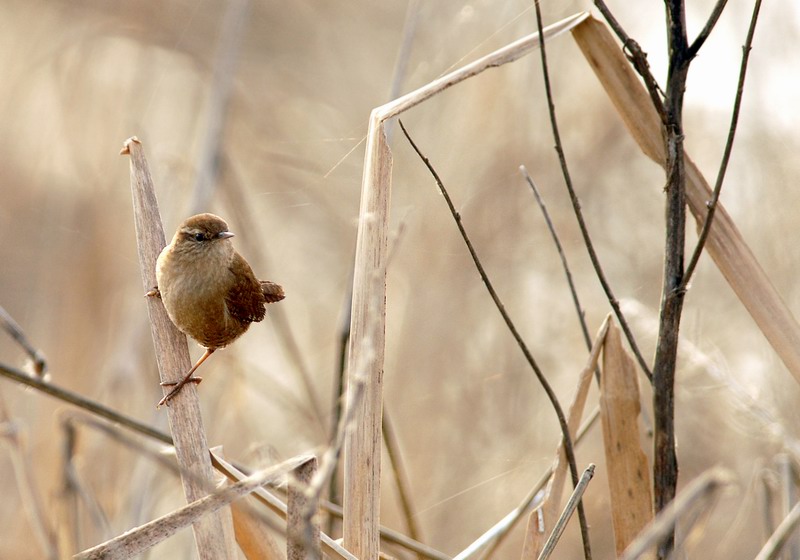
224,235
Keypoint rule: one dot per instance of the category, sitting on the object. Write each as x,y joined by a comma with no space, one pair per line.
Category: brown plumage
208,289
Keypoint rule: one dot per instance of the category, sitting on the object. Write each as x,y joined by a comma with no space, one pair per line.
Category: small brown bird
208,289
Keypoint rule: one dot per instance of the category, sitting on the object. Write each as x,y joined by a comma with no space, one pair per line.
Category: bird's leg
178,385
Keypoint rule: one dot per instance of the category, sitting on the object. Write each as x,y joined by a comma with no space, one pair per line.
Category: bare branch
638,58
712,204
576,205
707,28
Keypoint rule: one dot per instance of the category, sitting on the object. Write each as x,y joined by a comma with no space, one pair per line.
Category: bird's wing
245,299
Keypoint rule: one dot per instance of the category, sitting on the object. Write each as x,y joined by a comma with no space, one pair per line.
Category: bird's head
204,236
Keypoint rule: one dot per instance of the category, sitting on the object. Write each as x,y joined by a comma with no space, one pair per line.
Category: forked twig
723,167
568,447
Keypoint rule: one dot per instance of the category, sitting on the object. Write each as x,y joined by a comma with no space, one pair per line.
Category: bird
208,289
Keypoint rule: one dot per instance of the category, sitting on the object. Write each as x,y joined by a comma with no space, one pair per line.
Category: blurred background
265,105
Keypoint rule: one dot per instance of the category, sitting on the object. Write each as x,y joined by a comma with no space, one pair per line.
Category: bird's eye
199,237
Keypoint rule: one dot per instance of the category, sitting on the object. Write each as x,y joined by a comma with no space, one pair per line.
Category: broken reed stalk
626,463
569,509
148,535
330,546
214,536
368,321
542,519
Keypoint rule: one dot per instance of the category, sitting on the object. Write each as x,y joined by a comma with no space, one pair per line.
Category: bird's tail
272,292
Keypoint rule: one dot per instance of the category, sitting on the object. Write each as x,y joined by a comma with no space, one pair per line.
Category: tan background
79,77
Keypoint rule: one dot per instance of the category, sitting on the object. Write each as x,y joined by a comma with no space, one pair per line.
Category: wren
208,289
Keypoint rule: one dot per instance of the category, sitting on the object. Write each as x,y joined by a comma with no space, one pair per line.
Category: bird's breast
194,297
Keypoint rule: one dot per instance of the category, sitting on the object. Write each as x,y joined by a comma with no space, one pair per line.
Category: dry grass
475,429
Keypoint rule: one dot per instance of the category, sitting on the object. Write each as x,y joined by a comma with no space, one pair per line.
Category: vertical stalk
665,463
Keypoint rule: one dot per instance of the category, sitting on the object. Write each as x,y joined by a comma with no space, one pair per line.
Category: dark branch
709,26
638,58
712,204
82,402
562,421
576,205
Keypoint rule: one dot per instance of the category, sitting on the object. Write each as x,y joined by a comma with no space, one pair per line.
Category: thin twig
75,488
70,418
82,402
494,537
587,547
576,206
568,448
638,58
569,509
713,203
16,332
707,28
573,291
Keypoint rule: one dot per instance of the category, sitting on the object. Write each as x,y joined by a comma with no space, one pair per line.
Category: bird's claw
176,388
192,379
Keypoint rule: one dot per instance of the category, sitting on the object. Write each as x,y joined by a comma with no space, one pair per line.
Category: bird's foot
176,388
155,292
